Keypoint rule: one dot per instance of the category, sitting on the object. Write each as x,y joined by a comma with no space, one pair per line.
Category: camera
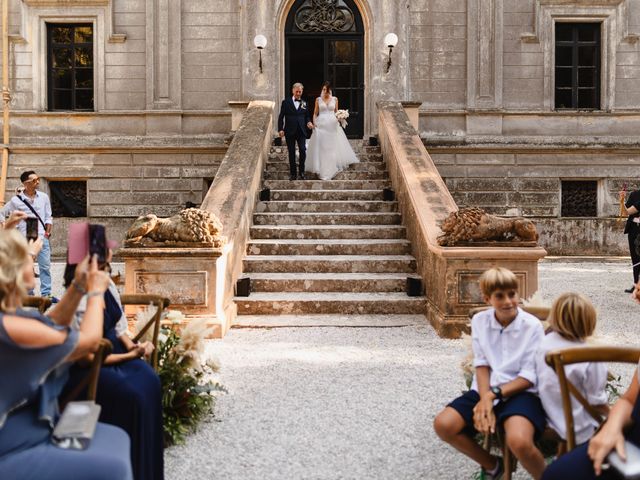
32,228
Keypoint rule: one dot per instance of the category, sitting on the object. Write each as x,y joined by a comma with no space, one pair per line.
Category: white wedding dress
329,150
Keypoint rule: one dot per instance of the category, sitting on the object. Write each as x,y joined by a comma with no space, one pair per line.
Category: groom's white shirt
296,102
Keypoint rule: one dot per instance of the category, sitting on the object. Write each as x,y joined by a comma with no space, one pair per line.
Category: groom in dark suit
294,123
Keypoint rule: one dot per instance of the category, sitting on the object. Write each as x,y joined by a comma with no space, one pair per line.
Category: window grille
579,198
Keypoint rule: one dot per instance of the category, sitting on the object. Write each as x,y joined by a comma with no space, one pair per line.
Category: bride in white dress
329,150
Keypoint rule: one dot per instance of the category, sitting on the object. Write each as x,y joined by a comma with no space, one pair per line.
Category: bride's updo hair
327,84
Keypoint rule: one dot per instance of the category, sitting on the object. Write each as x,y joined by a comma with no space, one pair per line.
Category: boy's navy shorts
524,404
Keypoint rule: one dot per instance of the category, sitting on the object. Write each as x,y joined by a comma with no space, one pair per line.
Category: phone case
77,242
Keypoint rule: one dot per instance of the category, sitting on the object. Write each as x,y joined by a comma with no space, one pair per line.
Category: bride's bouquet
342,116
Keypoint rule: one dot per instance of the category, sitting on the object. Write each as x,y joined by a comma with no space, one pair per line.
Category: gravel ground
347,403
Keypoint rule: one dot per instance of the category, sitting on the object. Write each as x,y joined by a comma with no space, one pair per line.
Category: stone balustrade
201,281
450,274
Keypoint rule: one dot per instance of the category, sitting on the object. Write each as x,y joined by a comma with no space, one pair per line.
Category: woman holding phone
128,388
35,351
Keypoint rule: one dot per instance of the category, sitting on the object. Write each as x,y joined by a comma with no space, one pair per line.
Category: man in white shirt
35,204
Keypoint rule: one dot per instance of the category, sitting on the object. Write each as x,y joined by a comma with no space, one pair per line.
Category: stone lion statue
191,225
476,225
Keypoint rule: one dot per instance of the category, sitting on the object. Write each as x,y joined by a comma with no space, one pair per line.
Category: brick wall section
125,63
628,68
126,184
437,51
211,60
523,83
529,183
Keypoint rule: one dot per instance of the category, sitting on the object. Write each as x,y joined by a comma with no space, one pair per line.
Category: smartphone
32,228
86,239
98,242
629,468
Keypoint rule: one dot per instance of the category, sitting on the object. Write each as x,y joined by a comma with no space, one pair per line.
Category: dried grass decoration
186,373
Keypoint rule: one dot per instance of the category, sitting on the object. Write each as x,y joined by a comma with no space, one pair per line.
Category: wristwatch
497,391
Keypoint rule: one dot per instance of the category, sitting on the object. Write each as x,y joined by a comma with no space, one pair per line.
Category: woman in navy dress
34,355
128,390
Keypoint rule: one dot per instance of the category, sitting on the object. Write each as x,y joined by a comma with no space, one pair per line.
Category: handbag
33,211
77,425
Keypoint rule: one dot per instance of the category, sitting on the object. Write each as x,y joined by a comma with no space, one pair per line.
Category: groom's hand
281,133
310,125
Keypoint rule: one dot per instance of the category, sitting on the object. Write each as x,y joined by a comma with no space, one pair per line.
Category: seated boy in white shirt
505,340
572,320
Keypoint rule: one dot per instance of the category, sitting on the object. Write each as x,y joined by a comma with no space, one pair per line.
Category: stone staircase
322,250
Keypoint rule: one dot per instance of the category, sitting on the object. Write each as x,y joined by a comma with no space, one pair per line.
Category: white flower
341,116
174,316
213,363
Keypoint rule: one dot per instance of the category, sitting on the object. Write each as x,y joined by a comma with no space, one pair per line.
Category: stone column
164,58
484,54
394,17
258,17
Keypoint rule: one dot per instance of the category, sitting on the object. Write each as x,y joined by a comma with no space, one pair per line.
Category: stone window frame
613,16
35,14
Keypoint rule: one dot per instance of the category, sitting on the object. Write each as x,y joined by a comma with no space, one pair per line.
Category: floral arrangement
186,375
342,116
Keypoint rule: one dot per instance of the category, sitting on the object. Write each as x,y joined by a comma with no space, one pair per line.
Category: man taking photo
35,204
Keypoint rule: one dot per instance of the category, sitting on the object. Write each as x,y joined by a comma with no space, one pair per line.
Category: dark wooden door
324,41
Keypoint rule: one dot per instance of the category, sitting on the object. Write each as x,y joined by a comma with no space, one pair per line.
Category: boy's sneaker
497,475
53,299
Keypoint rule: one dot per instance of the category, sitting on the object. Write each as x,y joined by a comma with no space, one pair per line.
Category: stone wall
122,183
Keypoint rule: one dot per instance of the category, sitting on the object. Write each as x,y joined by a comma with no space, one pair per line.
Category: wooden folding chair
90,381
568,356
161,303
41,303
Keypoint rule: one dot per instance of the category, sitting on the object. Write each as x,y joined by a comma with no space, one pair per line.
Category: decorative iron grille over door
324,41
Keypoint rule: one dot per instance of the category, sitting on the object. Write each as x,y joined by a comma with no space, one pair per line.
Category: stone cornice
66,3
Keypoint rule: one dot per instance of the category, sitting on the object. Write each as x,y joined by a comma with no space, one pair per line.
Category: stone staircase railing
201,281
450,274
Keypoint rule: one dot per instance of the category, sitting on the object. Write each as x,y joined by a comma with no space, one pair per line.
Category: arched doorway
324,40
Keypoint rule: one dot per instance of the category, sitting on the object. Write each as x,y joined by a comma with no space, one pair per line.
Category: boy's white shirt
589,378
508,351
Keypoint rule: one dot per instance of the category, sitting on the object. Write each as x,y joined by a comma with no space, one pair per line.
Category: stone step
329,263
329,247
326,206
326,195
354,321
330,303
283,157
354,167
327,218
327,184
328,282
344,175
327,231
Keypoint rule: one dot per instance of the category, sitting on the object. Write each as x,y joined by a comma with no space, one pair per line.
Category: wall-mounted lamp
260,41
390,40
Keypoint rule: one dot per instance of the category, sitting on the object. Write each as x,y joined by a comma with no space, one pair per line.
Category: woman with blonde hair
35,351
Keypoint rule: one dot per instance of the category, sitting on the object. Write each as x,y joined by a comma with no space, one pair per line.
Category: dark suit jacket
292,121
633,201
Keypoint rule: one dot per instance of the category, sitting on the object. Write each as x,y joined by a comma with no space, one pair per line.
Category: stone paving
341,403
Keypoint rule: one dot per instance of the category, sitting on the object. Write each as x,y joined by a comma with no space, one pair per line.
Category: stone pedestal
187,276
